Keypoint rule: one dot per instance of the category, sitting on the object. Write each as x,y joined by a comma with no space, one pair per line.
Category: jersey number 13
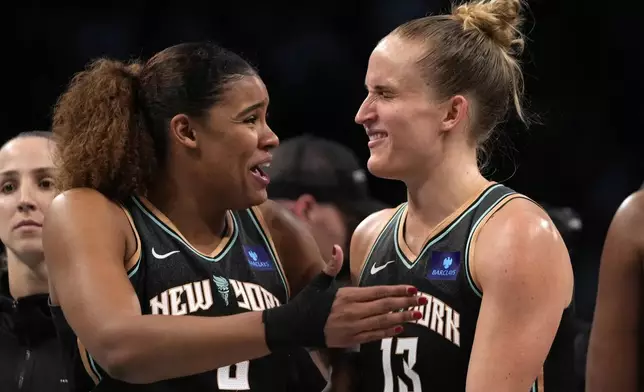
400,346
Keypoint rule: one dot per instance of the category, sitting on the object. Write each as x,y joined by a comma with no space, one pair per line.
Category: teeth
377,136
265,165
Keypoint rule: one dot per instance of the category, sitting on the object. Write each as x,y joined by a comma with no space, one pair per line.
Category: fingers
370,336
375,328
385,305
366,294
334,265
387,322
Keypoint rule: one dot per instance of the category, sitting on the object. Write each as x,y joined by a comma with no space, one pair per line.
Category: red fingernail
398,329
412,290
418,315
423,301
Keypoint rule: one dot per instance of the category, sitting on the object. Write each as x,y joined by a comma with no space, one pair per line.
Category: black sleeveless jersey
433,353
171,277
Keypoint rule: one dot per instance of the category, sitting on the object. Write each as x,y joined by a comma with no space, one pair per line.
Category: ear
303,207
182,129
456,109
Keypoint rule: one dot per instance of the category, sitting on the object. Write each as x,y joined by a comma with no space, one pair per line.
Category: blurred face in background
26,190
326,222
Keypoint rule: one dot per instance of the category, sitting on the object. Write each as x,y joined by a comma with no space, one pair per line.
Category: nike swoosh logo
163,256
375,270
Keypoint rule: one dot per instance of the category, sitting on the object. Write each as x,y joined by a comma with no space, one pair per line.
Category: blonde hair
474,51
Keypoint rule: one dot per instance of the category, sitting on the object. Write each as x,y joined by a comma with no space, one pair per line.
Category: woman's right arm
85,241
85,245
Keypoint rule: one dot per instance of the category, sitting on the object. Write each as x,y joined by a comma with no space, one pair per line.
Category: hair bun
500,20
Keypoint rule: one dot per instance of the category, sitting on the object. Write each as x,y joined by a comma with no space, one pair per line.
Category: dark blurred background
582,69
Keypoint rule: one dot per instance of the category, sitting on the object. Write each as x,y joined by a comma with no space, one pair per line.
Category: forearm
145,349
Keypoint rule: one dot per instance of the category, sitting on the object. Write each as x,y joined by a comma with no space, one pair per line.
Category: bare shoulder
634,206
285,228
629,220
365,236
276,216
520,246
367,231
83,204
294,243
79,224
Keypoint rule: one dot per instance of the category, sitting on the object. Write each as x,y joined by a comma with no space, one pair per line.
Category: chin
28,245
31,255
380,167
258,197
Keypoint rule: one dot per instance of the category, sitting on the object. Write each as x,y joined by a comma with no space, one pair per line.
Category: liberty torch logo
222,286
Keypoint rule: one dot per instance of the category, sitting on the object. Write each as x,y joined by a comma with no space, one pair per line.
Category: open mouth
260,174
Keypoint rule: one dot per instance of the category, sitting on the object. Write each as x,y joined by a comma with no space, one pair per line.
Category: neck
441,189
197,216
26,278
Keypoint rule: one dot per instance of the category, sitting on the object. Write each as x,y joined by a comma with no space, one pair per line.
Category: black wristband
300,323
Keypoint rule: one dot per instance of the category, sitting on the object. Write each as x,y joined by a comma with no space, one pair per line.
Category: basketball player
29,350
615,348
492,265
164,213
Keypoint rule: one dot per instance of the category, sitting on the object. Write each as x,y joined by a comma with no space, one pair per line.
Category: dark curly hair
111,123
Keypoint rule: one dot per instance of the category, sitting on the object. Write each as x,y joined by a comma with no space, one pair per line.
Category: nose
366,113
27,202
268,139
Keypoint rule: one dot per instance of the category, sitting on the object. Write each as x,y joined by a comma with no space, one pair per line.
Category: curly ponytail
100,132
111,124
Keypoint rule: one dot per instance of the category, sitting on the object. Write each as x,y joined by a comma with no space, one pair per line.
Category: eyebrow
251,108
378,87
37,171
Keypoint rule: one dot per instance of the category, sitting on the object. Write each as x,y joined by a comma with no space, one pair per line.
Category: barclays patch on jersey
444,266
258,258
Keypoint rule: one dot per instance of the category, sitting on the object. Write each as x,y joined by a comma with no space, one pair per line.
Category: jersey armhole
133,262
374,243
260,223
470,267
89,365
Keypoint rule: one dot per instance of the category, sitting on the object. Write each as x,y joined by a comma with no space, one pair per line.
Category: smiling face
402,116
233,142
26,191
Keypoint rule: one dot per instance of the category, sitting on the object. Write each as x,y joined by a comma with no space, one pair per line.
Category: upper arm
85,255
518,253
615,334
363,239
297,249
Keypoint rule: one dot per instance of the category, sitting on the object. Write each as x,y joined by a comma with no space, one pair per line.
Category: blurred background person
615,349
323,183
29,351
